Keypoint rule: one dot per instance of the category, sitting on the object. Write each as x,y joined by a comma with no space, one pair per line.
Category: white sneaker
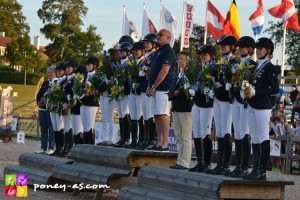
49,151
41,151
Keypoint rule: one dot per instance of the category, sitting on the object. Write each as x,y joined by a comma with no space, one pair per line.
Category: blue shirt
165,55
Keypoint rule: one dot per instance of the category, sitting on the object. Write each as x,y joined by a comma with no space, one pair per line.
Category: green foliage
292,40
14,77
21,52
12,19
62,21
6,68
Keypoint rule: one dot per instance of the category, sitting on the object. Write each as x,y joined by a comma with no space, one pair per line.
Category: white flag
129,27
187,25
148,26
168,21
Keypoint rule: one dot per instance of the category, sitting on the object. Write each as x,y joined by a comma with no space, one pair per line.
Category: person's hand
242,94
176,93
206,90
150,91
228,86
252,91
65,106
211,94
218,84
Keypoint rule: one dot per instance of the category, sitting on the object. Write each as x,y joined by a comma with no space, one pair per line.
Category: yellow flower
207,76
114,90
221,71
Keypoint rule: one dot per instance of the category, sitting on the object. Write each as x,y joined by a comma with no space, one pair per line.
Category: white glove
252,91
141,73
186,85
192,92
65,106
242,94
211,94
206,90
228,86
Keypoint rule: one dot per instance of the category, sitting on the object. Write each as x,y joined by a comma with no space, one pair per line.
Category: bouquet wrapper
234,78
247,92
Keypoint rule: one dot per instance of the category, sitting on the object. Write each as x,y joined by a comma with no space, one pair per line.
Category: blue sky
107,16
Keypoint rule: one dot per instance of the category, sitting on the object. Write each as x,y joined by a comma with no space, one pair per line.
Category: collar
139,59
124,60
245,59
227,57
70,76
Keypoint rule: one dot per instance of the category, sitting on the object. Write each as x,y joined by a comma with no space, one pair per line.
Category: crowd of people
145,82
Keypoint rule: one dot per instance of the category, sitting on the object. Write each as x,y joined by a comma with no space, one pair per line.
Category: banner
187,25
168,21
6,112
148,26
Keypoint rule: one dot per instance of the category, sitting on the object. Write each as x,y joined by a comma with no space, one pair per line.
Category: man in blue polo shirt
161,82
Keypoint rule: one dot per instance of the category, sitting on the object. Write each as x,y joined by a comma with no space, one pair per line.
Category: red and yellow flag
231,24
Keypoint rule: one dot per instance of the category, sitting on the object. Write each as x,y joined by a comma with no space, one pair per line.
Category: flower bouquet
77,89
116,83
245,76
134,75
227,74
98,81
56,97
206,81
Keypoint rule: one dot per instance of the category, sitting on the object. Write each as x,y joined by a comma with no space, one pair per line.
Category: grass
24,104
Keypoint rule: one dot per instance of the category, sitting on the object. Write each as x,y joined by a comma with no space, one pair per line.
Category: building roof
4,41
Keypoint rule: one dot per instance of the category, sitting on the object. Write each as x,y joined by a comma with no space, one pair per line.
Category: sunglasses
160,34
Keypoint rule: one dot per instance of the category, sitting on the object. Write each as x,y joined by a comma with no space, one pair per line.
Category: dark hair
276,118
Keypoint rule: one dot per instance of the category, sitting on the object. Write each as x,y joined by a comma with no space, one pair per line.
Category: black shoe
151,148
119,144
161,149
178,167
195,169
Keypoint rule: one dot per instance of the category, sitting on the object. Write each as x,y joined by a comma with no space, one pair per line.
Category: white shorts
160,104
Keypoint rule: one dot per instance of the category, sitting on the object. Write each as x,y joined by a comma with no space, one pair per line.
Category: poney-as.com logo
16,185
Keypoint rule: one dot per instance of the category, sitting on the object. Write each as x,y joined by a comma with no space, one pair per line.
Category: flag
286,11
231,24
187,25
215,21
129,27
257,19
168,21
148,26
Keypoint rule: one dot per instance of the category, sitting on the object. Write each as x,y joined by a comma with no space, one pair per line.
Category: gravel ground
10,152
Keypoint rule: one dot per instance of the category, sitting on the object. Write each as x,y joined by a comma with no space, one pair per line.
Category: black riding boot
199,154
127,128
263,161
207,147
152,131
220,153
65,146
134,130
141,132
227,153
143,145
92,136
71,141
238,159
246,151
57,147
255,160
76,139
121,141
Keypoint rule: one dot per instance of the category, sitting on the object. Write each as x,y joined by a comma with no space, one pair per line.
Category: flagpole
182,25
283,51
254,56
160,23
123,26
205,29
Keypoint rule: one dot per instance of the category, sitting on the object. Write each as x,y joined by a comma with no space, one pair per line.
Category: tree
62,19
12,20
292,40
21,53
